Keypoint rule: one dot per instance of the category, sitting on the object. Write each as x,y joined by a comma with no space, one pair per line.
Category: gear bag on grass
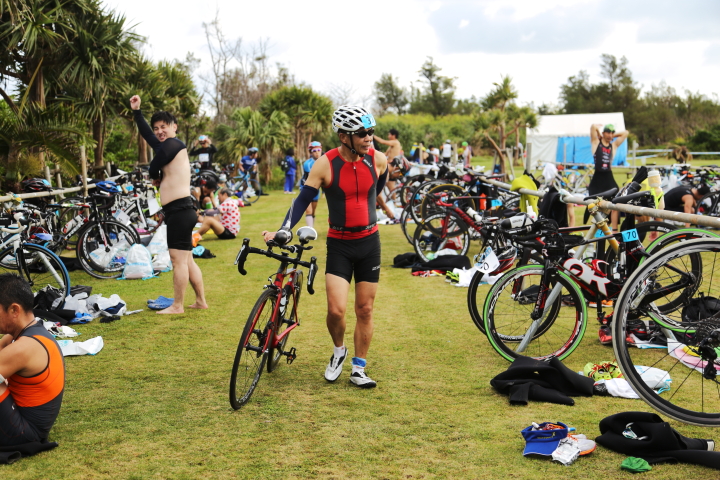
158,244
138,263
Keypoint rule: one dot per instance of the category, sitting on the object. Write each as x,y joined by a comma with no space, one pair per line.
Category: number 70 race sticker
488,261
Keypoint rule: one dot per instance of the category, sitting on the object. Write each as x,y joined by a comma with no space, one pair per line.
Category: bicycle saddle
606,194
305,234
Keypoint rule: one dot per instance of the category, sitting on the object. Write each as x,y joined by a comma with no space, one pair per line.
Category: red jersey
351,196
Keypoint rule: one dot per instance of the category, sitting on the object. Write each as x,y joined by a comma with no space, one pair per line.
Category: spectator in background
204,152
205,195
229,224
315,149
433,154
290,169
446,154
466,154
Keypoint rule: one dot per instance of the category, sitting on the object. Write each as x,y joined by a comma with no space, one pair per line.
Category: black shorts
180,218
226,235
14,428
360,257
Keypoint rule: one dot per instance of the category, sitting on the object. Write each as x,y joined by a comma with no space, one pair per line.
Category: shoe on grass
334,368
359,378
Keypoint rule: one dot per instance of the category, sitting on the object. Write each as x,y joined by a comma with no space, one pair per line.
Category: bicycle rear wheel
251,193
252,351
455,237
288,317
107,234
41,268
685,340
511,300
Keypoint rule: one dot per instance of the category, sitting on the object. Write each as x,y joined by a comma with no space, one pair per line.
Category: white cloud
463,23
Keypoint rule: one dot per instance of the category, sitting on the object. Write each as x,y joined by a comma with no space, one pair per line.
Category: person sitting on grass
32,370
206,194
229,224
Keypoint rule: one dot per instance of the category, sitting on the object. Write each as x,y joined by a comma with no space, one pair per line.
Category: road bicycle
541,310
683,343
275,314
248,188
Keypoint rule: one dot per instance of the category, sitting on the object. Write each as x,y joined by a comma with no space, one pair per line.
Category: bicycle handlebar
246,249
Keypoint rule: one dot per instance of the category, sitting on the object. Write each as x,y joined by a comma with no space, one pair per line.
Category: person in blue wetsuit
290,169
315,149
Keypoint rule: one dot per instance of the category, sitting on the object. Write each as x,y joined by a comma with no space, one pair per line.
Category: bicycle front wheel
251,194
676,371
455,236
252,352
510,302
38,266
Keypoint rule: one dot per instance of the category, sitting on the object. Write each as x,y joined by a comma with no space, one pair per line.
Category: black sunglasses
364,133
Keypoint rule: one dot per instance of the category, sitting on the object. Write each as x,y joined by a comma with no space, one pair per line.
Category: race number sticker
368,121
495,203
153,205
630,235
488,261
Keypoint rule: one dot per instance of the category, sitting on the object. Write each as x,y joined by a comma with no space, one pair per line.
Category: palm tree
269,134
309,112
24,128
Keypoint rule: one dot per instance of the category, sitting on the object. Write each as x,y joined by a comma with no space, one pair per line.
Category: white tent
566,138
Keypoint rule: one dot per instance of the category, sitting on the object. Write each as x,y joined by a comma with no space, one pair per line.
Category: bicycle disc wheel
511,300
251,353
41,268
455,236
685,386
289,314
91,240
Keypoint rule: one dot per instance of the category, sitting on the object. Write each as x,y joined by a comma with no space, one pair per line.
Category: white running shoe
334,368
361,380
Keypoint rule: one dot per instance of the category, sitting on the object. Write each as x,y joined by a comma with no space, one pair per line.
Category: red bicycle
274,315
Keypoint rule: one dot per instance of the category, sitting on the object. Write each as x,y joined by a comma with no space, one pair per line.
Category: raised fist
135,102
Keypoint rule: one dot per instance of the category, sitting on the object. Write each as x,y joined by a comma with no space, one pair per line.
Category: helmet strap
352,144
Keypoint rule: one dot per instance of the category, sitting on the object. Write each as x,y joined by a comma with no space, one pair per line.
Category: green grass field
154,402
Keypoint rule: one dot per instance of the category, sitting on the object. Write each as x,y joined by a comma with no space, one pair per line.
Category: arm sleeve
301,203
213,149
146,131
381,182
193,152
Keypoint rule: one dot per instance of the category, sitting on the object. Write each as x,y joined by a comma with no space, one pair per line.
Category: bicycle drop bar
246,249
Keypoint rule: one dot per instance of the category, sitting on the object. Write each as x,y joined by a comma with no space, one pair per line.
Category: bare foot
198,305
173,309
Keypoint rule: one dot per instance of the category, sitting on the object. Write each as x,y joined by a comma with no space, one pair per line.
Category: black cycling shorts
226,235
180,218
14,428
359,257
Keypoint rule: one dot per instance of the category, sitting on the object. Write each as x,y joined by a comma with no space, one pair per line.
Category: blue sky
348,46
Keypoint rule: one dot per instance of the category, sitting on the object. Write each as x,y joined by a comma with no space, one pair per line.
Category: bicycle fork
540,313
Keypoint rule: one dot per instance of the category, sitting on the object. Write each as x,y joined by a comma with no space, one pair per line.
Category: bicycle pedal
291,355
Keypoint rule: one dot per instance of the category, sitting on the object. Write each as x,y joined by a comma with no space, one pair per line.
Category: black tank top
603,178
603,157
673,198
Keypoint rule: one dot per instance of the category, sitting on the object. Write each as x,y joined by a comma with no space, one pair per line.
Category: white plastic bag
76,303
162,262
158,244
101,257
138,263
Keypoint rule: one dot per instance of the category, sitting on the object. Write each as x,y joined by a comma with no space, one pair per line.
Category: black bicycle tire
274,353
251,325
52,257
621,348
86,262
499,341
462,233
714,198
427,208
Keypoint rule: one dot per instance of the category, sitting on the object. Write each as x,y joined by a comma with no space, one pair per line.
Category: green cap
609,128
464,144
635,465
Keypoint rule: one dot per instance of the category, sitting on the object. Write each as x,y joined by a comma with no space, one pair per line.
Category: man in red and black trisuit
32,369
351,176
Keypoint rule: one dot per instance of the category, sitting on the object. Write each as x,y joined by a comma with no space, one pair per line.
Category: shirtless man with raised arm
170,169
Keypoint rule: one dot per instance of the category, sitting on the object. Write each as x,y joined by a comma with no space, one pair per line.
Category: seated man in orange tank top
32,370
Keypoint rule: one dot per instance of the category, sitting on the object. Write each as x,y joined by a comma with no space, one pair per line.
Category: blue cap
543,442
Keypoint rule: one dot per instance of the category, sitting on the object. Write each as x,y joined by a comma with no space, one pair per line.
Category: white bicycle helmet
351,118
